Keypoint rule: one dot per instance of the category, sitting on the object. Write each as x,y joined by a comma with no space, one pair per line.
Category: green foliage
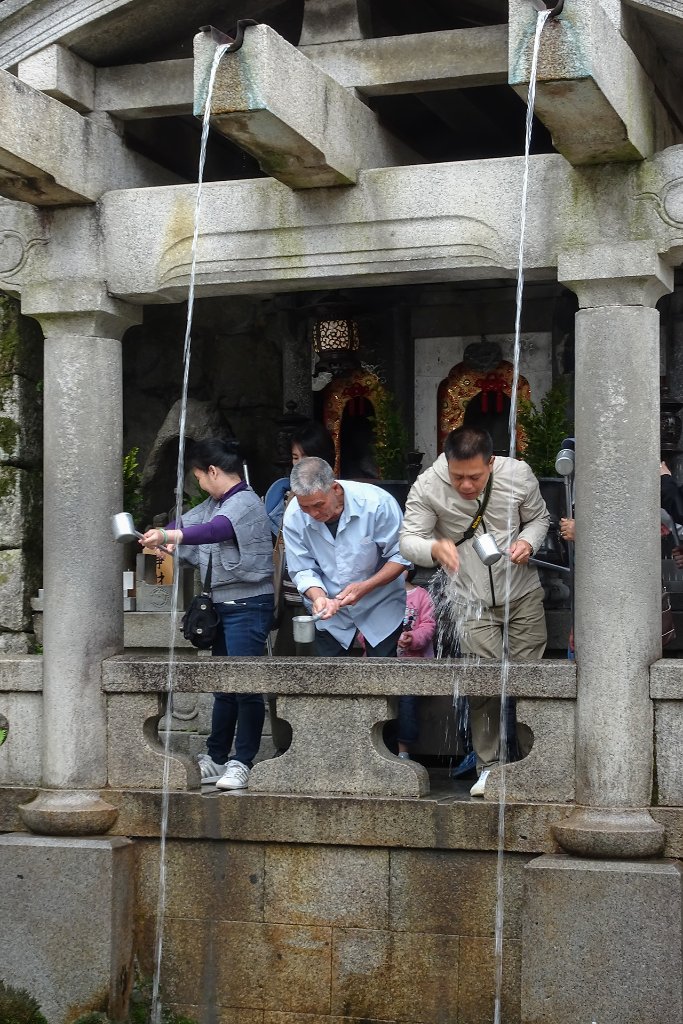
545,428
92,1018
391,438
195,497
140,1007
18,1007
132,489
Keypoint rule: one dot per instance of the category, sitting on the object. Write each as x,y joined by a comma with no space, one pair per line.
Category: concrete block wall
21,426
268,933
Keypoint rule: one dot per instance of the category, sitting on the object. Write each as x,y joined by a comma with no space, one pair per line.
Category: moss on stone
8,481
9,434
9,335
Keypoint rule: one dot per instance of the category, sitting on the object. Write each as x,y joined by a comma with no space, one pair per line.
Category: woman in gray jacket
232,527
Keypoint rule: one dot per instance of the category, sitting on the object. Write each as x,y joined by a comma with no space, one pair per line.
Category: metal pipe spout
221,39
554,9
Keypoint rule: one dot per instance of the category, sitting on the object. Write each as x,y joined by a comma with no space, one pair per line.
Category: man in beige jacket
467,492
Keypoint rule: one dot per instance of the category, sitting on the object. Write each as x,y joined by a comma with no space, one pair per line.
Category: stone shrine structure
344,883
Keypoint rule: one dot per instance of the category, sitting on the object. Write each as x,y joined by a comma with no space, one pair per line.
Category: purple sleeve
215,531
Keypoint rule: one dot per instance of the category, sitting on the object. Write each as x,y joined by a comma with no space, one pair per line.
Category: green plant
92,1018
545,427
195,497
391,438
18,1007
132,484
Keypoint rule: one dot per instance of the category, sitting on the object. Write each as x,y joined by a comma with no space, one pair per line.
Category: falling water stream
156,1012
542,17
180,480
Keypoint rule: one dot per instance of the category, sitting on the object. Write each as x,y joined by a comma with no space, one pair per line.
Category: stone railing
666,691
21,703
337,709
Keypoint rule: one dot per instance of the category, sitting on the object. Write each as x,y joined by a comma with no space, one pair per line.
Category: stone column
617,587
83,616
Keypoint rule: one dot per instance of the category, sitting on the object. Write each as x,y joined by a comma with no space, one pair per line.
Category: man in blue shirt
341,540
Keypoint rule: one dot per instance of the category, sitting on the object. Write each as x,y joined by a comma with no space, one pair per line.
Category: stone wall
268,933
21,426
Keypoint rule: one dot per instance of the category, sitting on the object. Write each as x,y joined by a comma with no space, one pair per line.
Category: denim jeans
245,629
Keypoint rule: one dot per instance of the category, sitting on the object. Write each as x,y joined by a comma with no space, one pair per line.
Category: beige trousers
483,638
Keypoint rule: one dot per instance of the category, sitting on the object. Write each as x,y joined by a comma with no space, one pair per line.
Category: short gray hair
311,475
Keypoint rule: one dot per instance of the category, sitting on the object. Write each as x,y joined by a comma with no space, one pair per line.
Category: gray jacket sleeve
533,513
417,531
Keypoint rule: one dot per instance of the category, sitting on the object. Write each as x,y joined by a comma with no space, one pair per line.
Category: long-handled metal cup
123,529
488,551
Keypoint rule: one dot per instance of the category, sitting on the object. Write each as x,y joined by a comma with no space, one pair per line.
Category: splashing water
180,480
541,19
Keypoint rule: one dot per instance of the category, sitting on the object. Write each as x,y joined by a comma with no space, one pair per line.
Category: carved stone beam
592,93
303,127
50,155
390,65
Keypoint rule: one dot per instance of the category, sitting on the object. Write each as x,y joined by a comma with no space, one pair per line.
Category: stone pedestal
67,935
602,942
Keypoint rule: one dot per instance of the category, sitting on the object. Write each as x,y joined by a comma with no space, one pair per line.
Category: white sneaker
480,785
235,776
210,771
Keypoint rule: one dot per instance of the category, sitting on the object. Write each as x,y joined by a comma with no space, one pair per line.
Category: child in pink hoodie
419,622
416,641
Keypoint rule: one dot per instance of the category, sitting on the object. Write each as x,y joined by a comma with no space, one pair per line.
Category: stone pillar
83,617
617,587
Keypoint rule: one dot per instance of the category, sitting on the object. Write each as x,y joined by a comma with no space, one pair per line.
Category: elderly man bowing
341,540
469,491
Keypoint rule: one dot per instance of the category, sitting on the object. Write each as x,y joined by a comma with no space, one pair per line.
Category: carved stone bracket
337,747
135,755
547,774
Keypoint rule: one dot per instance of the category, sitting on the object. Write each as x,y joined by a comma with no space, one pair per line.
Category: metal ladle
487,550
123,529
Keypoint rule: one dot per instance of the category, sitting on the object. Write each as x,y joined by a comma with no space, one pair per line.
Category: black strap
471,529
207,579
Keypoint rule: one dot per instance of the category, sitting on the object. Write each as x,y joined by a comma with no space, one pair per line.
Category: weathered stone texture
21,421
452,891
477,988
336,934
602,942
135,754
249,964
21,343
337,747
339,886
16,588
409,976
669,752
218,881
69,902
20,503
20,763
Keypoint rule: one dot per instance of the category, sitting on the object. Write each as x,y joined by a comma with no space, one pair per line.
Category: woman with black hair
232,527
313,439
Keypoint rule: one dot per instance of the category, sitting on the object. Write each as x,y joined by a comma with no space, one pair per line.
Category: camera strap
471,529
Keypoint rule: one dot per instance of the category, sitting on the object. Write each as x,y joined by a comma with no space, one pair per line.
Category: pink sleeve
425,624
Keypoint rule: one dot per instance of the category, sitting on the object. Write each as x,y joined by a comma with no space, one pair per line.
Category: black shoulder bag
201,621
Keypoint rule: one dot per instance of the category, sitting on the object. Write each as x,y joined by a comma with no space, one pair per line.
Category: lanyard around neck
481,508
